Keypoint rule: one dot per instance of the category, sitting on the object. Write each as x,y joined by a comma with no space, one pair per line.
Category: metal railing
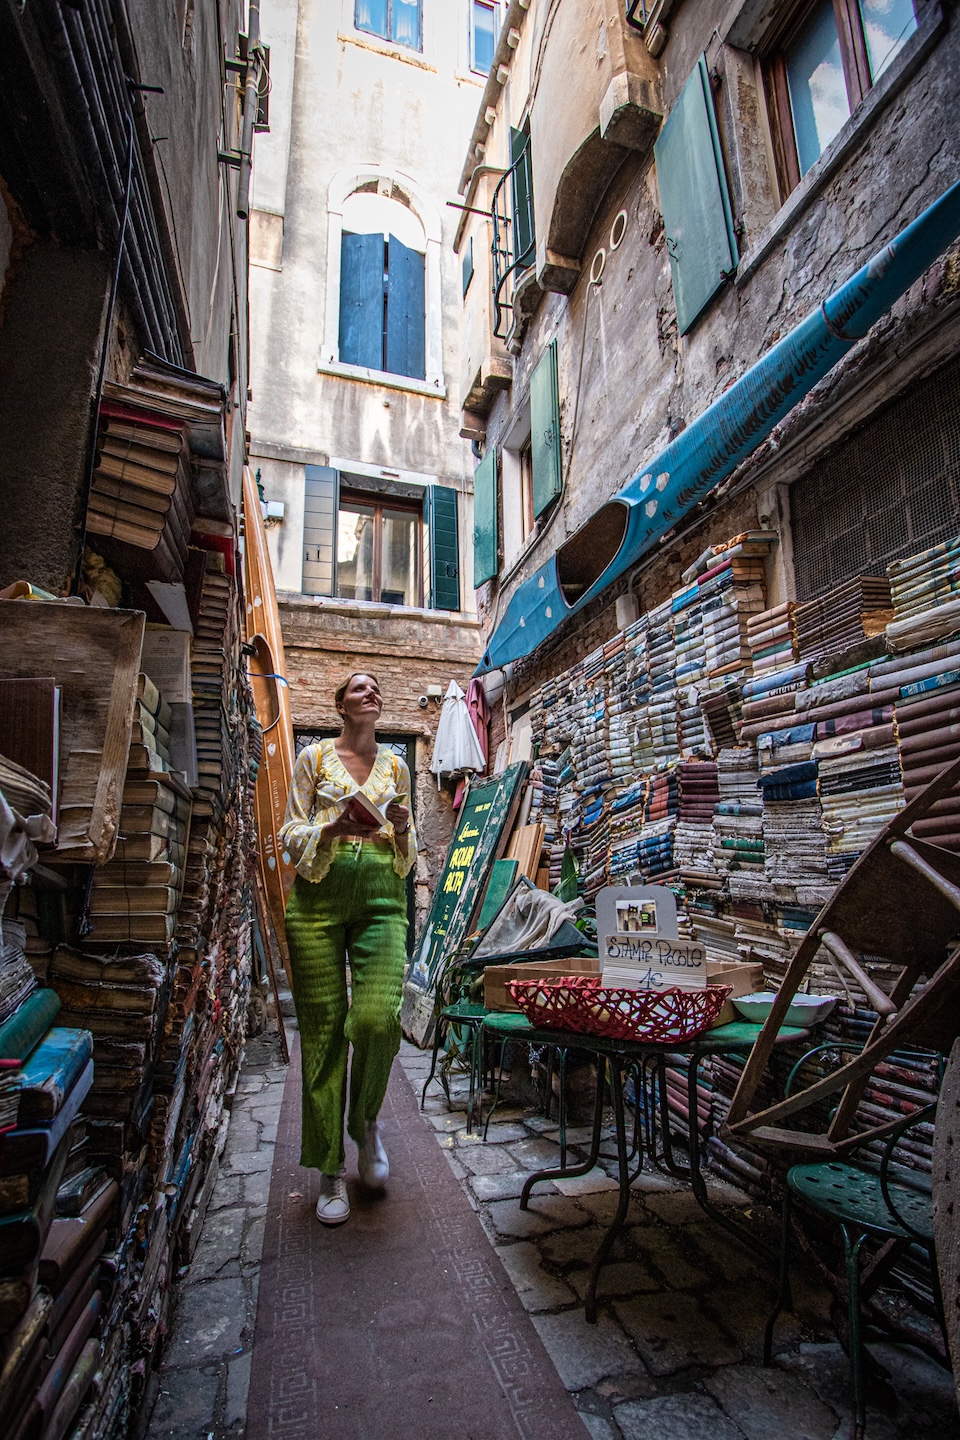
506,264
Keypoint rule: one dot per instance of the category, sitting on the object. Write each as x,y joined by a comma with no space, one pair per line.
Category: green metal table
613,1057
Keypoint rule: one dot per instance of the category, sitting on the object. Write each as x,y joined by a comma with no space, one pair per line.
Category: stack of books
142,492
853,611
17,979
134,897
212,642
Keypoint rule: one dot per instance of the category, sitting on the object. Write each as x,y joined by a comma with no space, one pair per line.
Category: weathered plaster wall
628,382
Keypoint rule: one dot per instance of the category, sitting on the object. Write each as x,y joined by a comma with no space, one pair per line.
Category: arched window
382,285
384,307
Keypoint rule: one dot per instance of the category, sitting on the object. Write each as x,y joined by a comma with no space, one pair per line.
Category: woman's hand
399,817
348,826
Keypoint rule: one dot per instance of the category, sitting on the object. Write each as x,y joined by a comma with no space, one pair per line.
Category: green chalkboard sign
488,808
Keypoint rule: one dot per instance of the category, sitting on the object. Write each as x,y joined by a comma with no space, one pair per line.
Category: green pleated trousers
358,911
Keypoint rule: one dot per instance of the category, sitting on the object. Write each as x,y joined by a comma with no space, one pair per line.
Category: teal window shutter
320,503
524,235
485,536
545,430
361,300
696,202
405,352
444,548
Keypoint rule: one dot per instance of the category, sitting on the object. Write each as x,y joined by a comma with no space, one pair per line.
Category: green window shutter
524,235
444,548
361,300
545,430
405,354
485,536
320,502
696,202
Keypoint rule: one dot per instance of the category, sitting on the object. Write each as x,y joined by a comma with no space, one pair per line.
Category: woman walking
348,902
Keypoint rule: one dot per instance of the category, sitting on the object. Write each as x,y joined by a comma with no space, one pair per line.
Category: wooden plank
94,655
526,847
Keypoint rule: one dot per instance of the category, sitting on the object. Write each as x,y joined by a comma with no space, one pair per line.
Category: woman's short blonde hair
341,690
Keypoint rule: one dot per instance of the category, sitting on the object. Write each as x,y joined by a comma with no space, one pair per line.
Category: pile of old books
134,896
142,494
57,1213
853,611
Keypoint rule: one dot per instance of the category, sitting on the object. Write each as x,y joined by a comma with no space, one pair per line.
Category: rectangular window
396,20
378,546
821,68
486,534
378,549
526,491
485,18
382,305
467,266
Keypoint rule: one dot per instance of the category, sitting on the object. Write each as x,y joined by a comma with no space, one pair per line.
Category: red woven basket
583,1005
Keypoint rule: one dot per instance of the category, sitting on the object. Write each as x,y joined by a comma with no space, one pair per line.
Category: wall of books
745,756
126,722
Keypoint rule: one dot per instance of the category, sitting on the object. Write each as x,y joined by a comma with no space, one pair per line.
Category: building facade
356,297
721,169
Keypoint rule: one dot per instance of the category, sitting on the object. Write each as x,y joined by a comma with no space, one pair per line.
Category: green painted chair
865,1204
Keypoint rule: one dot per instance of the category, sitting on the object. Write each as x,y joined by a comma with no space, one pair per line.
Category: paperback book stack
770,639
699,795
212,643
17,979
924,581
625,829
737,823
141,498
134,897
853,611
927,714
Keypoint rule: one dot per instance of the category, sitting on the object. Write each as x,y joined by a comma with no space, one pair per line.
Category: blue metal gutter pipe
711,448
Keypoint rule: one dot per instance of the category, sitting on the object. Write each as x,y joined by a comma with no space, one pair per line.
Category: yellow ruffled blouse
319,786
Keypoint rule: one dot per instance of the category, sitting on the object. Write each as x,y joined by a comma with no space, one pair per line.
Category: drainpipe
249,109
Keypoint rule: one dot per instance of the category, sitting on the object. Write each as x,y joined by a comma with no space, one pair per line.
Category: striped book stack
141,498
770,639
922,581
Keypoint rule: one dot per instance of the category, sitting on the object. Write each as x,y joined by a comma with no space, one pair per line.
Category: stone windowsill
386,47
436,391
372,610
853,134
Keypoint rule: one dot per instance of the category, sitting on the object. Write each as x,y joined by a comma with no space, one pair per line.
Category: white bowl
804,1010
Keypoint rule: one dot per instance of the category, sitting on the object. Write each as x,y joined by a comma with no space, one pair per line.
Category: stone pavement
206,1366
676,1352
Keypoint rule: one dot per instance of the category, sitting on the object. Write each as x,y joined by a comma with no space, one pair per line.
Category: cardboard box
495,977
745,978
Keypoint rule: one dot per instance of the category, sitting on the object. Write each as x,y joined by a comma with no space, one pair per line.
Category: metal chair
864,1204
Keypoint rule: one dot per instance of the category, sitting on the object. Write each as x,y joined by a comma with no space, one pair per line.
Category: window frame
856,74
377,502
498,9
389,38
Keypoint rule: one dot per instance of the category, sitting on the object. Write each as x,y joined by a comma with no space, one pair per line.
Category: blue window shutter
485,535
444,548
545,430
361,300
405,312
320,502
693,194
524,236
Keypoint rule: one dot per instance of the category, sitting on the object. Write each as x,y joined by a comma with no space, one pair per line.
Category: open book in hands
361,808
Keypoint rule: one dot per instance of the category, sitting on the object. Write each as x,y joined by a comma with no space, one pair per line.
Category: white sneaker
372,1159
333,1207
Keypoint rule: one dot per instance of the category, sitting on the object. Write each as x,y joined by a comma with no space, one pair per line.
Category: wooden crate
495,977
743,977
